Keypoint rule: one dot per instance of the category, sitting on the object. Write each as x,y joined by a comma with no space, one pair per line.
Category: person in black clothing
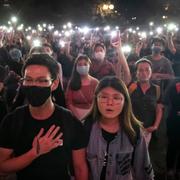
37,140
172,99
3,106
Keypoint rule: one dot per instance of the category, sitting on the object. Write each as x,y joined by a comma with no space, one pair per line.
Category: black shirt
144,105
108,137
18,130
172,100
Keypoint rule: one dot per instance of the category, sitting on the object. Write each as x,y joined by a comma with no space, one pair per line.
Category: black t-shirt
144,105
18,130
172,100
108,137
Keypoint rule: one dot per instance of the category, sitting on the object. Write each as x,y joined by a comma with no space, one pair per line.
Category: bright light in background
137,28
64,26
144,35
56,33
69,24
3,28
67,33
19,28
28,38
151,33
105,7
33,31
164,17
130,29
85,30
36,43
113,34
159,30
97,29
177,29
50,27
14,19
117,27
40,28
107,28
44,25
171,27
111,6
62,43
151,23
126,49
10,29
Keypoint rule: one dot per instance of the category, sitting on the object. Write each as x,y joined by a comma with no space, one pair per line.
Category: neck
144,86
110,125
144,83
42,112
85,76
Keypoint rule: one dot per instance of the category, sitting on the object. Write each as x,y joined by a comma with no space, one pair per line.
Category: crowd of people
85,109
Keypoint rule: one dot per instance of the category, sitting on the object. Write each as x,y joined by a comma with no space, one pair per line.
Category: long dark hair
75,80
128,121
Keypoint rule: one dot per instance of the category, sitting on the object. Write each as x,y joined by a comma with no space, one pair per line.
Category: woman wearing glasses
117,149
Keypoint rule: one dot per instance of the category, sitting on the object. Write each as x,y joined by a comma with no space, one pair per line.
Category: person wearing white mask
101,67
81,88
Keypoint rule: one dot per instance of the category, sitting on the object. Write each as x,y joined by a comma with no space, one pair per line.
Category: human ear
55,84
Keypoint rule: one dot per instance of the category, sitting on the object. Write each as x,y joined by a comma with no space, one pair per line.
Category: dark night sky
80,10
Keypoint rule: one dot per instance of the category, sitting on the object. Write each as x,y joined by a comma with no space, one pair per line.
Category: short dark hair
158,39
99,45
143,60
43,60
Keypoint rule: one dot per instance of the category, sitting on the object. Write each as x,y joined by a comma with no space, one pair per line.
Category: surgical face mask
156,49
99,56
83,70
36,95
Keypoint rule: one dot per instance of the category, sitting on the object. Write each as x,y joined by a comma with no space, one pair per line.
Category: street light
14,19
105,9
111,6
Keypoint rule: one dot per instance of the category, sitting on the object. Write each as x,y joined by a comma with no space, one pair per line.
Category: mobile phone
115,36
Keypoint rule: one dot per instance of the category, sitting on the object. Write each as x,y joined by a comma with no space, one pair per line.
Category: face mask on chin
99,56
36,95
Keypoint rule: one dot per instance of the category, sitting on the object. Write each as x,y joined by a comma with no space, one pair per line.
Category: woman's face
110,103
82,62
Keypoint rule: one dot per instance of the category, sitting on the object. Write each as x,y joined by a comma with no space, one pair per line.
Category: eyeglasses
38,81
105,98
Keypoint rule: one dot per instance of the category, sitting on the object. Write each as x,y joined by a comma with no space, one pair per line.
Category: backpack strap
158,92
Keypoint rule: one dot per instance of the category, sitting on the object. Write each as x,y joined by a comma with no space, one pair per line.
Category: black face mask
36,95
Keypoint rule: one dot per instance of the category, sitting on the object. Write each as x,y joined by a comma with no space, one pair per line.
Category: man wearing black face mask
38,139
